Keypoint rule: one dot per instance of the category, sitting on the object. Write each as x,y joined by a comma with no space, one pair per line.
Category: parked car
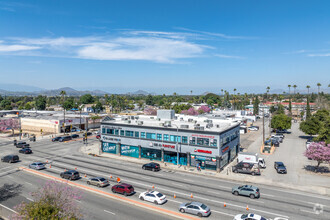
56,139
123,188
249,217
284,131
153,196
37,166
280,168
10,158
151,166
249,168
195,208
98,181
22,145
277,137
75,136
25,151
66,138
246,190
70,175
98,136
253,128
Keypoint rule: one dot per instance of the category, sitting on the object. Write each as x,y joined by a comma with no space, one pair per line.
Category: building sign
202,136
224,149
109,147
203,151
203,160
168,146
131,151
111,127
106,138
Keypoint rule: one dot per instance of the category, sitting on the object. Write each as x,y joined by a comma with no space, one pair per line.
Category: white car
249,217
253,128
153,196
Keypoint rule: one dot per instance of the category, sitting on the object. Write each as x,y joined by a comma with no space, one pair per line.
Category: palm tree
234,97
63,93
319,85
268,88
308,87
294,88
221,91
289,88
191,92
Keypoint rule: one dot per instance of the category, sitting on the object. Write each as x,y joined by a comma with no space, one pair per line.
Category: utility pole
263,125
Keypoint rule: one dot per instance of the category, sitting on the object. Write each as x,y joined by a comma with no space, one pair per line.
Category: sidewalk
225,174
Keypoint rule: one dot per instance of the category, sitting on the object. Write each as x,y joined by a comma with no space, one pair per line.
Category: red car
98,136
123,188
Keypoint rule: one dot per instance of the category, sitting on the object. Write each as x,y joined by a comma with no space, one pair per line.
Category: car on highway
70,175
249,217
75,135
25,151
195,208
246,190
153,196
151,166
22,145
37,166
98,181
20,142
10,158
123,188
280,167
249,168
66,138
56,139
253,128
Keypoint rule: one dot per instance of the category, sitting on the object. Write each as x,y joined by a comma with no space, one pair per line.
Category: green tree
310,126
256,106
149,100
290,106
281,121
40,102
6,105
308,109
97,107
289,88
87,99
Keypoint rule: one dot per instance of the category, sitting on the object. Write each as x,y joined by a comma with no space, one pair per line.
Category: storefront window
203,161
110,131
159,137
143,135
151,154
122,132
136,134
171,157
166,138
116,132
130,151
129,133
184,139
203,141
109,148
151,136
214,143
192,140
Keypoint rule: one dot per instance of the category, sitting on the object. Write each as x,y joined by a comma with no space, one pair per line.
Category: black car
280,168
25,151
21,145
151,166
10,158
75,135
56,139
70,175
89,133
66,138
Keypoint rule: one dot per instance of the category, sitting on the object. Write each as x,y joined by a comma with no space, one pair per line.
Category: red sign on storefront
169,146
203,151
225,149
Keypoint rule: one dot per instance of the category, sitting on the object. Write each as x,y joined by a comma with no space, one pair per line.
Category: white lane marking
8,208
109,212
8,171
223,213
28,183
5,168
29,199
173,201
177,184
307,211
216,193
264,194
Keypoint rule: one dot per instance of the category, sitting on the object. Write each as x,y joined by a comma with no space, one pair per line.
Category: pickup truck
249,168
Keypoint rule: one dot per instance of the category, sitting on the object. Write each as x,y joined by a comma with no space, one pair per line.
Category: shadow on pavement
320,169
8,191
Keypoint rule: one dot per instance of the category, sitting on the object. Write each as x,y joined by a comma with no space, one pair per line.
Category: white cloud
319,55
15,47
228,56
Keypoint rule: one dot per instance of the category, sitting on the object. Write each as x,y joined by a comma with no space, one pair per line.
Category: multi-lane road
274,203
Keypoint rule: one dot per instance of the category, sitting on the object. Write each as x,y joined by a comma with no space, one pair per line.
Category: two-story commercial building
177,139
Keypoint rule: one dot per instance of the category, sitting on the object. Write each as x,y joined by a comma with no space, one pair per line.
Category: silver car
98,181
37,166
195,208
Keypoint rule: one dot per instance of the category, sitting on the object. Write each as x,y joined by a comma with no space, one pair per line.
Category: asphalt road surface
274,203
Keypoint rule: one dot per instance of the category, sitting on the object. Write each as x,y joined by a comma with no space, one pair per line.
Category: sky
165,46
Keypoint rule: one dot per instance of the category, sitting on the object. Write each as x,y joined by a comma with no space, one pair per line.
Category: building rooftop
182,122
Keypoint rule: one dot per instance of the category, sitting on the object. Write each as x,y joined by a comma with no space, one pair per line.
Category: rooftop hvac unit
129,121
140,122
199,128
195,121
132,117
168,122
158,119
190,120
184,126
198,125
218,126
175,117
152,117
161,124
136,117
181,119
